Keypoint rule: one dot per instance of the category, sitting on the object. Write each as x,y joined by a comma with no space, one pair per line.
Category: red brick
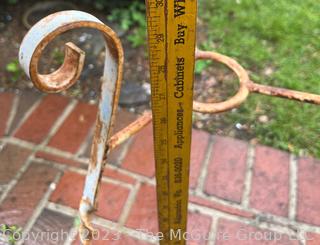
198,228
108,172
87,151
6,100
111,201
227,168
39,123
22,200
220,207
313,239
67,192
117,175
111,198
60,160
75,128
53,226
199,146
26,100
114,157
123,119
308,209
270,181
139,158
11,160
107,237
231,233
143,214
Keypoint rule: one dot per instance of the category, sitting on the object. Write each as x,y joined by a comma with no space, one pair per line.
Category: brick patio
239,193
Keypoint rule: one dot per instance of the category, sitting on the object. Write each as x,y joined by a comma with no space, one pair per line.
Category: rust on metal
234,101
130,130
245,87
31,50
50,27
285,93
67,74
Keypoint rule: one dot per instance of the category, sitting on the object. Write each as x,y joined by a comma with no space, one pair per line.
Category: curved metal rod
232,102
284,93
30,52
246,86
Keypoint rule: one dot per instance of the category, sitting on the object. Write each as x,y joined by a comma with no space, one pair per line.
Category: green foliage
11,232
100,4
14,69
12,2
77,222
58,56
201,65
107,4
132,19
278,42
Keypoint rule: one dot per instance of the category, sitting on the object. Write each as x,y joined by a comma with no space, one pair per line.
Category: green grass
282,35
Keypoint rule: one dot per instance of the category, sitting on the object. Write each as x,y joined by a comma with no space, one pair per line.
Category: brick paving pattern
239,193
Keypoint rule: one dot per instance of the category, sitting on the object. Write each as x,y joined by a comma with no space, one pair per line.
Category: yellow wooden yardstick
172,37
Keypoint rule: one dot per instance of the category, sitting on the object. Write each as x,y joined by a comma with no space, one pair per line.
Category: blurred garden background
277,41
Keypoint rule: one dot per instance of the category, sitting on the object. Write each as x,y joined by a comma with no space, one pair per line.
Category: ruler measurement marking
155,26
171,38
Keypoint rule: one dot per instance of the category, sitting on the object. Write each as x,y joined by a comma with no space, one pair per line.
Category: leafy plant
132,18
58,56
107,4
201,65
11,233
14,69
77,222
12,1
